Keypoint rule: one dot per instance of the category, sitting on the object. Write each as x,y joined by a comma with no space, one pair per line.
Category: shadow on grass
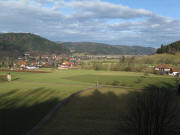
153,111
95,114
17,120
107,113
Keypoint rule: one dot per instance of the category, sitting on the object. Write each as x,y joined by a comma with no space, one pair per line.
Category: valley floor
30,96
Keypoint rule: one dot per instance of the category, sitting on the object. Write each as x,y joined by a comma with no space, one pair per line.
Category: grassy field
94,112
25,100
128,79
30,96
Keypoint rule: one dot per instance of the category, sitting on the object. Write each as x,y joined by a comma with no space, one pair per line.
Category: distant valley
92,48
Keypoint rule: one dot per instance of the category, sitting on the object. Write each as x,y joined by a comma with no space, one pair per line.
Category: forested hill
15,44
92,48
140,50
171,48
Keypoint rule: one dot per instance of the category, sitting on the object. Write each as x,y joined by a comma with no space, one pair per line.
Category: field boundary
57,107
31,71
113,86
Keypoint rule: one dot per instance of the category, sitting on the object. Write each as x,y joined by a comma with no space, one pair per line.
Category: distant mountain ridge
93,48
171,48
15,44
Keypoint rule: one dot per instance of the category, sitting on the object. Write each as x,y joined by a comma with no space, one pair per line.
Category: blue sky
162,7
118,22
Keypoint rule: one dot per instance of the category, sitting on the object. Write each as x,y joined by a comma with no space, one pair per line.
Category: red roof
175,70
67,63
22,63
165,66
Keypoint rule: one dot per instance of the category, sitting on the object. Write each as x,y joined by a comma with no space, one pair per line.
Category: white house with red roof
163,68
166,69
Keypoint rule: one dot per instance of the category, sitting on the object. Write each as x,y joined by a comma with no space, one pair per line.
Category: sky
118,22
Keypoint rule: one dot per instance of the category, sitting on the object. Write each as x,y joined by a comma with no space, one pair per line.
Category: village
30,61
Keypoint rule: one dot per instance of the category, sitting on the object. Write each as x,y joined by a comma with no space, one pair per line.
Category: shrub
139,80
123,84
115,83
146,73
128,68
108,83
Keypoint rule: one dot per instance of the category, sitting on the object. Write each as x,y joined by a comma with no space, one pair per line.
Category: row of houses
33,60
36,65
166,69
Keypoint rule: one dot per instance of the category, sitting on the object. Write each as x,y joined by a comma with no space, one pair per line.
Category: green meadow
30,96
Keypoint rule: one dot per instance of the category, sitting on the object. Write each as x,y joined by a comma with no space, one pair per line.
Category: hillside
106,49
171,48
15,44
136,49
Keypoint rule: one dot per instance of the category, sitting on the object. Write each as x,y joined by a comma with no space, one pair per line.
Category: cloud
98,9
83,20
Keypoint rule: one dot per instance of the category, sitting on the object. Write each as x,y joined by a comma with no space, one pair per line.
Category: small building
65,65
174,71
22,64
163,68
26,54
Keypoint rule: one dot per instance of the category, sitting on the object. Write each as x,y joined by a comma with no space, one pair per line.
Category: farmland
30,96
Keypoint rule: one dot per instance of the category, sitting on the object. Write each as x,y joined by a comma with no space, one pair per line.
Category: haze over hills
15,44
93,48
171,48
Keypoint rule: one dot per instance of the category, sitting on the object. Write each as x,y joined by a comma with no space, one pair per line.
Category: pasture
30,96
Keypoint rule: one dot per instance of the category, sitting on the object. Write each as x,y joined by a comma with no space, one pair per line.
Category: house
174,71
22,64
45,56
163,68
26,54
19,58
65,65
